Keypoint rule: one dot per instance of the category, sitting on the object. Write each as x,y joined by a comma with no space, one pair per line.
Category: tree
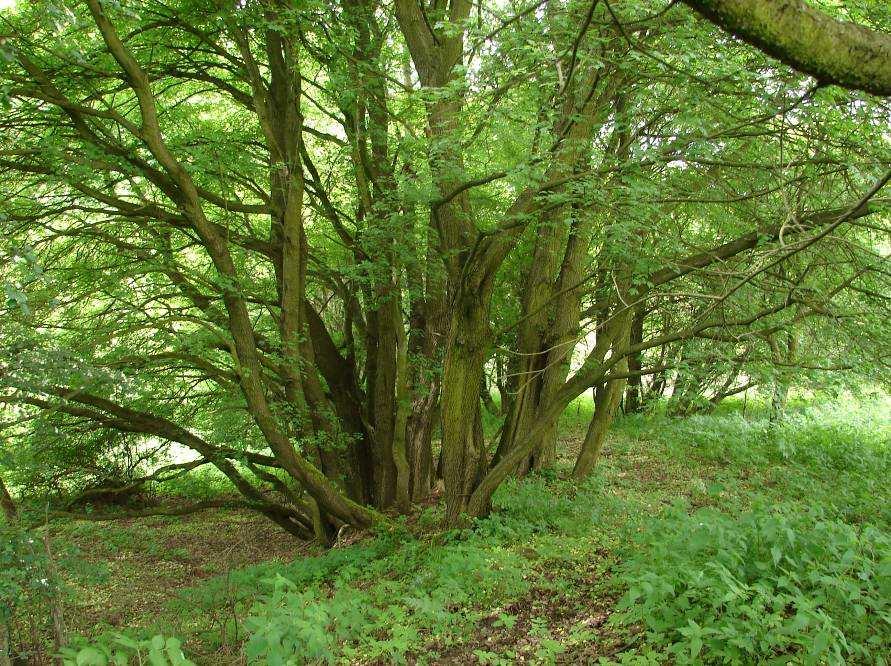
291,238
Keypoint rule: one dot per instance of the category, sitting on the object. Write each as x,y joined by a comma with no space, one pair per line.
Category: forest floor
542,580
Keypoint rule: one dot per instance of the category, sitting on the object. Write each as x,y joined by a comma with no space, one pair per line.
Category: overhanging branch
839,52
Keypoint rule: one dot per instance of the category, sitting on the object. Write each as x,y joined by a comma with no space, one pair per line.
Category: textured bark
541,372
479,501
686,386
533,335
422,421
368,120
551,316
634,391
551,307
435,51
605,407
308,405
403,405
615,338
462,446
384,402
486,397
565,327
344,394
426,342
839,52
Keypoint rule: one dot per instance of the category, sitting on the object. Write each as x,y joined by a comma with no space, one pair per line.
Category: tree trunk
428,323
551,307
462,445
344,395
633,393
540,373
779,397
615,338
403,405
532,338
784,357
383,404
605,407
486,397
422,421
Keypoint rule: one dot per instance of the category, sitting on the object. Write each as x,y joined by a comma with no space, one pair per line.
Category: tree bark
634,391
605,408
403,405
462,445
551,304
533,353
806,39
616,336
422,422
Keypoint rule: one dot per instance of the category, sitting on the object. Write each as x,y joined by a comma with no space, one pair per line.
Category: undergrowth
724,538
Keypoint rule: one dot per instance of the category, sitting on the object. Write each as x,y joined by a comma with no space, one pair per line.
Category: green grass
720,539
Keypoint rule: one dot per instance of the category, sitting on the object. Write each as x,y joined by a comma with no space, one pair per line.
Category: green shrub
768,584
836,456
32,589
383,600
523,507
121,650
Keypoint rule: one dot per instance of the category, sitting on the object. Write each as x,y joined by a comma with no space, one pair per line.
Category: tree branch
839,52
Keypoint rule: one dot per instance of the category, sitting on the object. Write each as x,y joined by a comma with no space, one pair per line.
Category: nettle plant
762,585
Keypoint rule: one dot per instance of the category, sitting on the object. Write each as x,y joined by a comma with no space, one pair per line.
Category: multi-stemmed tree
292,237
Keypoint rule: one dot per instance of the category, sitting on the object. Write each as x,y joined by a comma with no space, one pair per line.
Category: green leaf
90,656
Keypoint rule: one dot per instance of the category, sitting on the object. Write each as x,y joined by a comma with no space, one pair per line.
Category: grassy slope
538,581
